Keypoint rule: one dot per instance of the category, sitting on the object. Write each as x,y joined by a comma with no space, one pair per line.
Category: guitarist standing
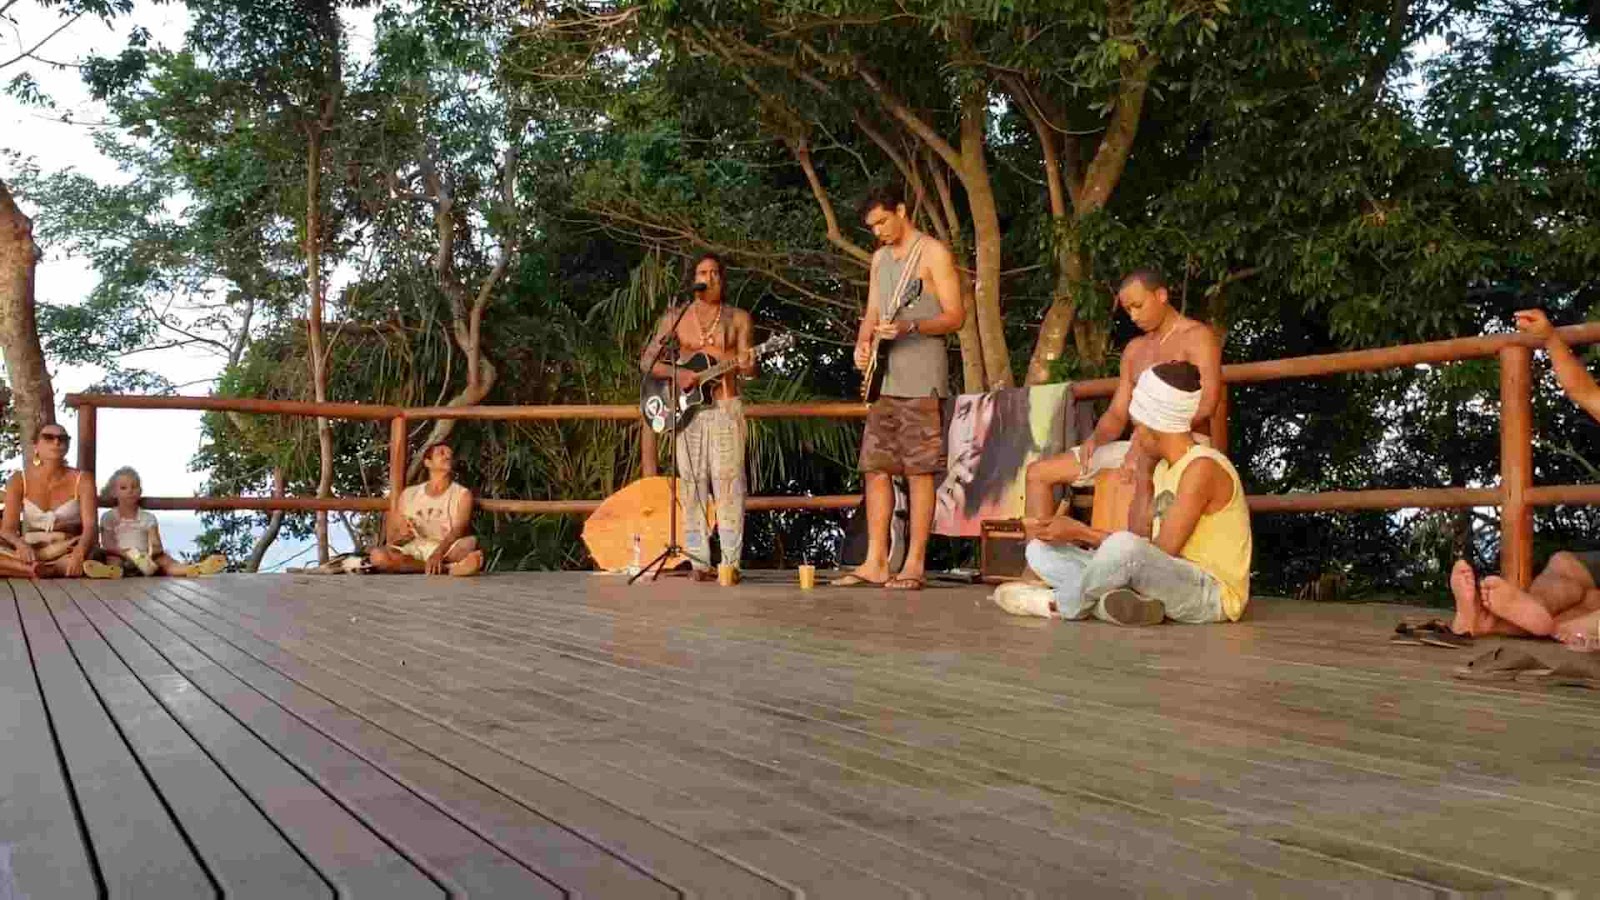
711,446
913,301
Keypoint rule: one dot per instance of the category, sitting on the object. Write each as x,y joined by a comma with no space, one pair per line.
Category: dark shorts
904,436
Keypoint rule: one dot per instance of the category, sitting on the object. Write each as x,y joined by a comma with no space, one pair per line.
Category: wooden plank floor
564,734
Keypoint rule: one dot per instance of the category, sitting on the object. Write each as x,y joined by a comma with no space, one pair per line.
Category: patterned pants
711,458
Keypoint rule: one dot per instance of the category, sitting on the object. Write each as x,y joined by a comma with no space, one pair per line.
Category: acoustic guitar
655,394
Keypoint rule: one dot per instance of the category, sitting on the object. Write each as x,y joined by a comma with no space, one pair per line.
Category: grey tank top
919,364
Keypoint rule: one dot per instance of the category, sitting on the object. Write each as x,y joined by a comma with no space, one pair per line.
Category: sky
159,444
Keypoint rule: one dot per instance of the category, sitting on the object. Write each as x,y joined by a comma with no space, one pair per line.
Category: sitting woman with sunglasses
46,532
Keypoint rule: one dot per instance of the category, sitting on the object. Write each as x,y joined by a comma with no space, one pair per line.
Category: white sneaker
1022,599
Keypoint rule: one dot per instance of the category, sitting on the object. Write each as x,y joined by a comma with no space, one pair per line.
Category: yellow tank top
1221,543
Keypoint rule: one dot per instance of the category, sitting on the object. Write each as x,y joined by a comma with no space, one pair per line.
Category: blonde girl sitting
131,538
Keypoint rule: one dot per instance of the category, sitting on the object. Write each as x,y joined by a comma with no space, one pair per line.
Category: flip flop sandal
1446,639
1501,664
1566,675
1405,635
93,568
905,583
855,581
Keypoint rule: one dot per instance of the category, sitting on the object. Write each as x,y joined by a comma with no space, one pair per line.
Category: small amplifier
1001,550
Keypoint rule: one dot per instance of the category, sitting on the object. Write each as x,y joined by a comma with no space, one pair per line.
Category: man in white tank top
428,525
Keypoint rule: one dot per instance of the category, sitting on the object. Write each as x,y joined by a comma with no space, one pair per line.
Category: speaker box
1001,550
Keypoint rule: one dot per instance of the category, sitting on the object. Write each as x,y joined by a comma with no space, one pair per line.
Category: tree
31,395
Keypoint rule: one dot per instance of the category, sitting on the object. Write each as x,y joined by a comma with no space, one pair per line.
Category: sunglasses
53,436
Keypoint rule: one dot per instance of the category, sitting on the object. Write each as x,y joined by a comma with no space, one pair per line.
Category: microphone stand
659,564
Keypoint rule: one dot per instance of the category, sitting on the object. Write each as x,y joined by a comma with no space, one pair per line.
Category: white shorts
420,549
1111,456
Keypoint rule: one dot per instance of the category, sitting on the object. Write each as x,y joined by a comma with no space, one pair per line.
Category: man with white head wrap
1187,556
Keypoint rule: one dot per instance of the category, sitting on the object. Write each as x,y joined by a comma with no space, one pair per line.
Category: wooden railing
399,418
1516,495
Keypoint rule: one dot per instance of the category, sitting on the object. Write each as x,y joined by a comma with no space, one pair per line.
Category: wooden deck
540,735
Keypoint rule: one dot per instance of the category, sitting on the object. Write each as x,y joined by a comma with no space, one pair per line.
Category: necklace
706,331
1161,339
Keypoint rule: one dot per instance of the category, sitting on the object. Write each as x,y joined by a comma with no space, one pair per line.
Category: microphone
697,287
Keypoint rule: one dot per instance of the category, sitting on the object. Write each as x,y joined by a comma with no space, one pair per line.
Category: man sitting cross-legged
1194,566
1565,597
427,528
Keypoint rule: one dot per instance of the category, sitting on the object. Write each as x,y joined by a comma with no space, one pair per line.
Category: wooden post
647,451
397,458
86,449
1516,465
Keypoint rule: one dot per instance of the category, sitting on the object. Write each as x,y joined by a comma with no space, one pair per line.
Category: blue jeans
1125,560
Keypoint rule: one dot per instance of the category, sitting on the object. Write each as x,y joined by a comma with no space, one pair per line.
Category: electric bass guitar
878,350
877,365
655,394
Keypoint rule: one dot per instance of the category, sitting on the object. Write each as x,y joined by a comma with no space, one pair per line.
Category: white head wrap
1161,407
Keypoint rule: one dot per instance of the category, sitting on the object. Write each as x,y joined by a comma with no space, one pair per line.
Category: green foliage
1311,177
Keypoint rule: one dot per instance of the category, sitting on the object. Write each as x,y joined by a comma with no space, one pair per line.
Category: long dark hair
1007,445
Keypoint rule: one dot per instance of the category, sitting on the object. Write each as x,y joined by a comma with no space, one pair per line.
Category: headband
1159,406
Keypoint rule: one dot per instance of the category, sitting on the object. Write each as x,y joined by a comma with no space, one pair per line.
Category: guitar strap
913,258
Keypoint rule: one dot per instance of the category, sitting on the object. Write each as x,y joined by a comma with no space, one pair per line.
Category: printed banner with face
991,439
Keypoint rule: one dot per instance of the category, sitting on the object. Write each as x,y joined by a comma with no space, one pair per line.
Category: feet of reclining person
1473,617
1469,602
1506,601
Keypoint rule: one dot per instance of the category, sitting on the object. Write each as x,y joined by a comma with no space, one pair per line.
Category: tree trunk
1099,182
274,523
986,236
972,366
1062,316
319,357
31,392
471,395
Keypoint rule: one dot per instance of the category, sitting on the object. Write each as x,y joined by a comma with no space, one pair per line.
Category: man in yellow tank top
1187,555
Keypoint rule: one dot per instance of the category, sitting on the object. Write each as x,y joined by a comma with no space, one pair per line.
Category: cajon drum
1112,499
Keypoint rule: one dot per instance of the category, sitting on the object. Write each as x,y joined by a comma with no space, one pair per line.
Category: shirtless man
1564,598
711,447
1169,336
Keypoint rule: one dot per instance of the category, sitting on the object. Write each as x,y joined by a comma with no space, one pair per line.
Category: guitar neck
728,365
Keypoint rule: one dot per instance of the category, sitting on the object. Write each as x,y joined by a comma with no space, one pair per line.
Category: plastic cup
808,577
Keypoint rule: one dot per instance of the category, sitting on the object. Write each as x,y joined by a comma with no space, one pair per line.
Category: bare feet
470,564
1518,607
1464,585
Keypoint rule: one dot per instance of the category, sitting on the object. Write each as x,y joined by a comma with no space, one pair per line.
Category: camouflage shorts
904,436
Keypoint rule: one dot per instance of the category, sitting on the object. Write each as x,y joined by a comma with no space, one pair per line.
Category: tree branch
802,153
1111,157
47,38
